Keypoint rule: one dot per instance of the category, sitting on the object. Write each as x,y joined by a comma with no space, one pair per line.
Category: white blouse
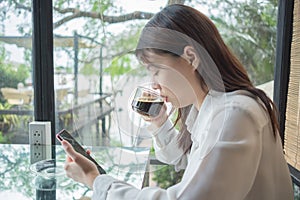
234,156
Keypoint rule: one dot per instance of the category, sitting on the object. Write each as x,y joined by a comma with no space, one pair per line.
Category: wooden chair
16,97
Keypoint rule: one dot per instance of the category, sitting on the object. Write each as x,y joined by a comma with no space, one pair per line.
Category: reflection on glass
129,164
21,178
48,169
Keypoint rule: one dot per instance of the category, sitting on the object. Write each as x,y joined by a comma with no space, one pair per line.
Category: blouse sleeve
226,172
166,146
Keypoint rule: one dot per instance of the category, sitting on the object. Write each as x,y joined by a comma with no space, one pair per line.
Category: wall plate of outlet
40,141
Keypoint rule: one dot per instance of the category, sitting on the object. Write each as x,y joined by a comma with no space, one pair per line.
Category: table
18,182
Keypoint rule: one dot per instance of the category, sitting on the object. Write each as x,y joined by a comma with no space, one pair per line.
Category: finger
69,150
147,118
88,152
68,167
68,159
75,156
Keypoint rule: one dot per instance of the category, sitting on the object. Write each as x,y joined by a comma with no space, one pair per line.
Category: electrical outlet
40,141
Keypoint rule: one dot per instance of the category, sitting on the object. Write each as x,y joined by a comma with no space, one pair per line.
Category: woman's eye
153,69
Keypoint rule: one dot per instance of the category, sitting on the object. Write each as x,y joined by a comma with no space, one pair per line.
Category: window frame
282,68
42,61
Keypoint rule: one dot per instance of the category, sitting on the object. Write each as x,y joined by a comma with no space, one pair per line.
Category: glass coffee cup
147,102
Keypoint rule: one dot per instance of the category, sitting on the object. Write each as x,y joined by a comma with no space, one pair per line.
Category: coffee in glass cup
147,102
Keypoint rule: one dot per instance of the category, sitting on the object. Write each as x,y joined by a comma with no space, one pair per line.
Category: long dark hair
192,23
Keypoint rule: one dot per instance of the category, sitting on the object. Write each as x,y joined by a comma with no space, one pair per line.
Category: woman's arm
226,172
166,147
165,140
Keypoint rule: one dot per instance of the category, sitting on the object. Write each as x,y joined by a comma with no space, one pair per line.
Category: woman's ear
191,56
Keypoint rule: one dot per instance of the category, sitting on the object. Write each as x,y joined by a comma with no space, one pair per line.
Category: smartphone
65,135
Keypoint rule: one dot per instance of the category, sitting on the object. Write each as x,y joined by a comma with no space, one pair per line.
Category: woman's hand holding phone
78,167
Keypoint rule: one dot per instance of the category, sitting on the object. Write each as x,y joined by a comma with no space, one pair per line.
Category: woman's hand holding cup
158,120
150,105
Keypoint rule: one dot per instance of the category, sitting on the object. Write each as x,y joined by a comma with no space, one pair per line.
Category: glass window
249,28
16,96
95,69
95,72
93,59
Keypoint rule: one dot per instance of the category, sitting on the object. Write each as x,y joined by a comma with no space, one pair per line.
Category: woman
228,142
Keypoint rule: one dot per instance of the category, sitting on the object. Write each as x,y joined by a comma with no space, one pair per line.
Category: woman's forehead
152,57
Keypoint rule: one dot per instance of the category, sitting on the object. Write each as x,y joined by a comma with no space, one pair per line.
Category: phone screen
65,135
